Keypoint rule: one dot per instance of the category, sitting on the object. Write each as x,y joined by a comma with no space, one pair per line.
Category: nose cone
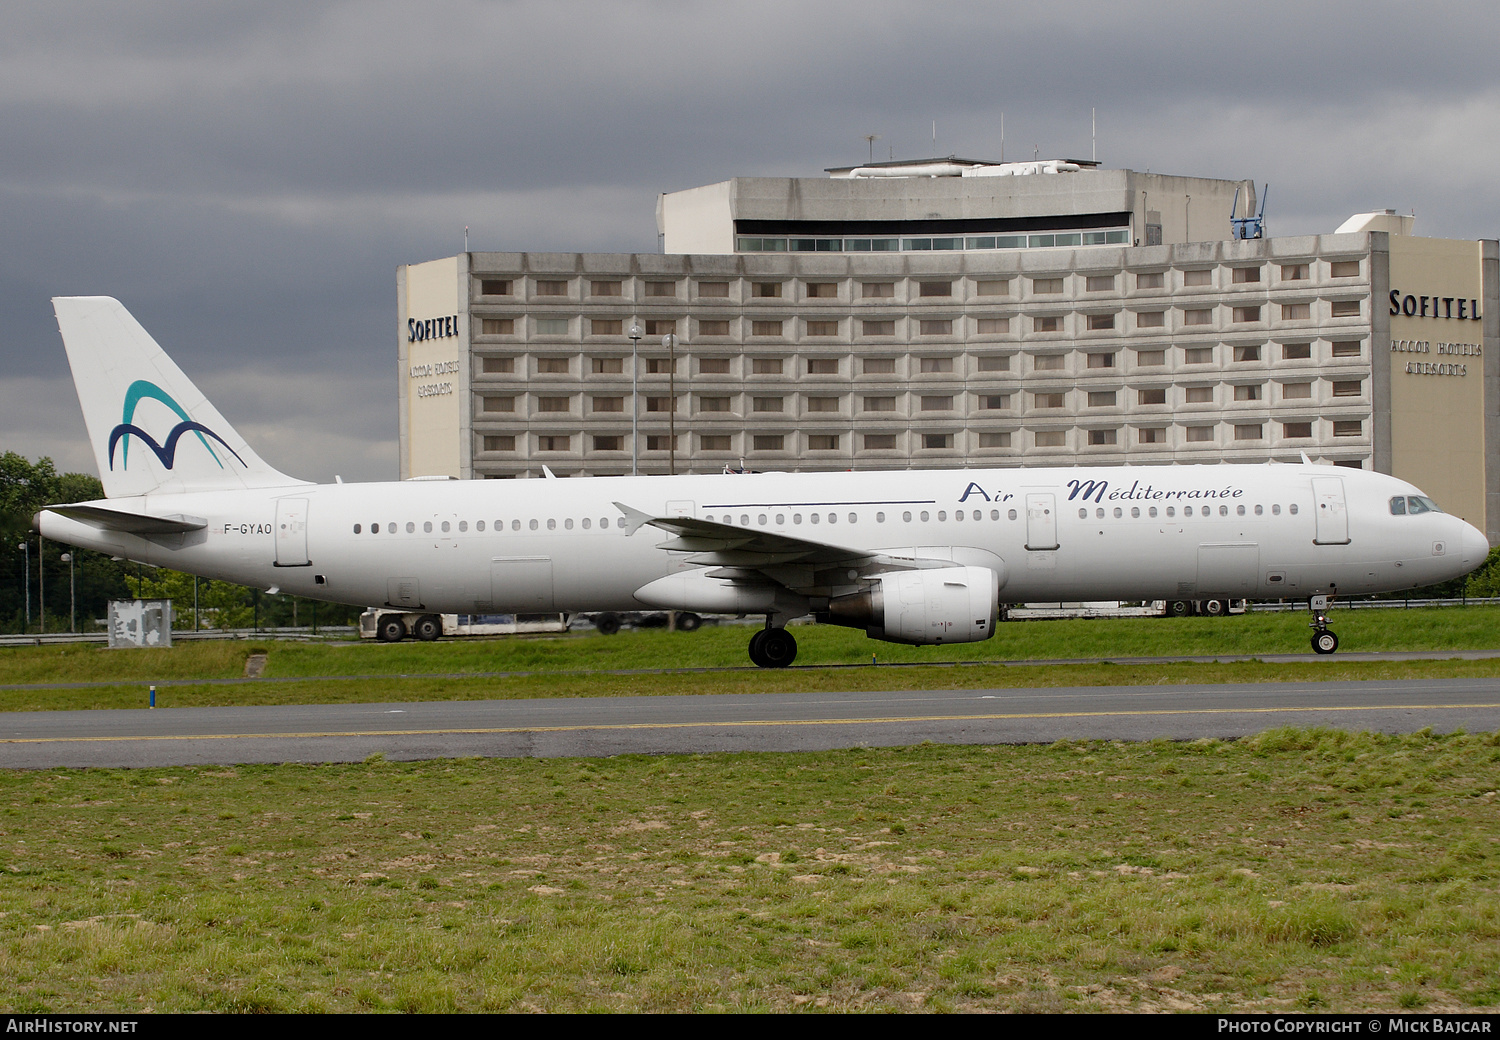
1476,547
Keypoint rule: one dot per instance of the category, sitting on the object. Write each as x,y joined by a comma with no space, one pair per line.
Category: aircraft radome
915,556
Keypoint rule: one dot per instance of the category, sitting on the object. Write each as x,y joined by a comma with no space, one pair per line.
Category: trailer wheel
688,622
428,628
607,624
390,628
1179,608
1215,607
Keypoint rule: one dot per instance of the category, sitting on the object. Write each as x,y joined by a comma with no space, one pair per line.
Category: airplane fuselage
1050,534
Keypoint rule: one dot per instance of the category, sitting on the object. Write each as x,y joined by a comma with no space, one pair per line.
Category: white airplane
920,557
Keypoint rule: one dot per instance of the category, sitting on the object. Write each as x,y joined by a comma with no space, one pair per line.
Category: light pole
72,597
25,548
635,411
41,583
670,342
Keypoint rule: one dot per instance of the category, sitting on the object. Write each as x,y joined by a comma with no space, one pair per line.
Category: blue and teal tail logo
167,452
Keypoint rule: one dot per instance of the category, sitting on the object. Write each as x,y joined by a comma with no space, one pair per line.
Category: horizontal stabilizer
130,523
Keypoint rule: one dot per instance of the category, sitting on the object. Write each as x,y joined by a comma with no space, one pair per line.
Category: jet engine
940,605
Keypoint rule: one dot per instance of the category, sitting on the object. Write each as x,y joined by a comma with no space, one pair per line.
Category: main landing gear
1323,640
772,647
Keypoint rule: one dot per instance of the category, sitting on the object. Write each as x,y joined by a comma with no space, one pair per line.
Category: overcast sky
246,177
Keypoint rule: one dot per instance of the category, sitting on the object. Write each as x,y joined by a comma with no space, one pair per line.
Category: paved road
764,722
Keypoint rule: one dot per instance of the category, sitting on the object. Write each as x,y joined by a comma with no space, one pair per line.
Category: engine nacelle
938,605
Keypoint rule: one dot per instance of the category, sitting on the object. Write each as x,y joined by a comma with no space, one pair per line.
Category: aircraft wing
799,564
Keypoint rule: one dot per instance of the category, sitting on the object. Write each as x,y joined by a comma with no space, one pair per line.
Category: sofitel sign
437,328
1434,306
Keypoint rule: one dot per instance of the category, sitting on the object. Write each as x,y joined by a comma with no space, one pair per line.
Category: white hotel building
953,313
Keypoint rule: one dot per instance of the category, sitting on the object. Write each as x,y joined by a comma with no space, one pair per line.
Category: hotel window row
1154,322
1297,274
1212,435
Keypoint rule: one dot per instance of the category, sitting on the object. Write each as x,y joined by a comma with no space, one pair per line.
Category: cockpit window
1411,505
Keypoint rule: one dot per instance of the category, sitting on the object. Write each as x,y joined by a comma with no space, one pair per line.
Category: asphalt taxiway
603,726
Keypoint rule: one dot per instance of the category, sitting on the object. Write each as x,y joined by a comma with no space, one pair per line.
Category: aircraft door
1041,520
1333,513
291,532
1228,569
521,584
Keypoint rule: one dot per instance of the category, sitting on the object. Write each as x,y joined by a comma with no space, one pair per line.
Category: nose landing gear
1323,640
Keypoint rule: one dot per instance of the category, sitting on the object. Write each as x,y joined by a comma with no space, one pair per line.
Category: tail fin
151,428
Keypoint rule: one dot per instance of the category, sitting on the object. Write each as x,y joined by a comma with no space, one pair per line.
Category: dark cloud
247,177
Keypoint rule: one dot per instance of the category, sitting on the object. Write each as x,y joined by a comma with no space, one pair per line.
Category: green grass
1423,629
1298,870
580,664
390,689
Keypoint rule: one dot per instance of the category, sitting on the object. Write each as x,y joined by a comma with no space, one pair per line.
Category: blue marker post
153,696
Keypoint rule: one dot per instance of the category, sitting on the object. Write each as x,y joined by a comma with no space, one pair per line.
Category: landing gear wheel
1325,642
1215,608
756,641
607,624
390,629
777,648
1179,608
688,622
428,628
